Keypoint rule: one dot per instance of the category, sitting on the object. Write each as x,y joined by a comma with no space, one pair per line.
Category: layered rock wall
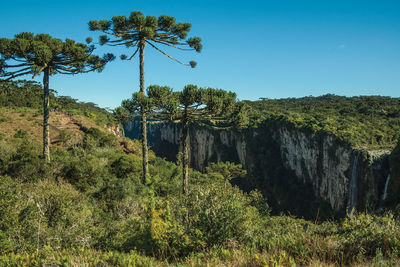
330,170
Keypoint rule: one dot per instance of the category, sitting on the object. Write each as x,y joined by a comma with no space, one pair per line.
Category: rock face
295,169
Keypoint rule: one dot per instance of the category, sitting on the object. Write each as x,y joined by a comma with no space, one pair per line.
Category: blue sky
273,49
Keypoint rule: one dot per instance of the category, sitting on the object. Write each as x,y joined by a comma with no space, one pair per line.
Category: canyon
299,171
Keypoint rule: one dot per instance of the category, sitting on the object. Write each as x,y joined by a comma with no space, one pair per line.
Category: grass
14,119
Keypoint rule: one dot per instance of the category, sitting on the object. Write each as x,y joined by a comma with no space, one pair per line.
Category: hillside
26,97
88,206
365,122
63,126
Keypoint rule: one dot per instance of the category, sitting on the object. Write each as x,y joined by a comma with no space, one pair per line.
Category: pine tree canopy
130,31
31,54
199,104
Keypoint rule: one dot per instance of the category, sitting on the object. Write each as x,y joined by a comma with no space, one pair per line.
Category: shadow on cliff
286,193
393,182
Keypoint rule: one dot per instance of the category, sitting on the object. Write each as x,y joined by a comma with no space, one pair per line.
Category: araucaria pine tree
35,54
206,107
137,31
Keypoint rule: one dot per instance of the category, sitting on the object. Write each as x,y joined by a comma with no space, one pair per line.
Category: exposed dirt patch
65,129
62,126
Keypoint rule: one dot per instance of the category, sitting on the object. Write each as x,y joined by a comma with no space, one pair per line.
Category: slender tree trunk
46,116
142,45
185,150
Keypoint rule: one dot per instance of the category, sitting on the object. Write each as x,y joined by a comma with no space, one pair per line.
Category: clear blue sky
273,49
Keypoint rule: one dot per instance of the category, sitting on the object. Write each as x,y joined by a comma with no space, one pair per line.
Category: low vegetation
88,207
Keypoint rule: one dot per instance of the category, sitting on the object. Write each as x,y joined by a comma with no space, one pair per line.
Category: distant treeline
370,122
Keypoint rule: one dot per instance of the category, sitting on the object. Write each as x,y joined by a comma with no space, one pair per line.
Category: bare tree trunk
46,116
143,115
185,150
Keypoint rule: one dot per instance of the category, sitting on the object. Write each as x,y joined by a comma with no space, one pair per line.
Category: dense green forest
89,207
367,122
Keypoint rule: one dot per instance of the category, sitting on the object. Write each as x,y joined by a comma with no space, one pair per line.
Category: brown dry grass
29,120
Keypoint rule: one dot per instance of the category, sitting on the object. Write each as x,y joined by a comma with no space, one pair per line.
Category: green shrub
4,119
222,215
95,138
21,134
21,158
366,234
86,173
127,166
43,213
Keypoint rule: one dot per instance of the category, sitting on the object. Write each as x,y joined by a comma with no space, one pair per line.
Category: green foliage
85,172
127,166
365,122
96,189
226,170
122,115
222,215
367,233
138,30
77,257
192,104
95,138
88,206
21,93
43,213
31,54
21,158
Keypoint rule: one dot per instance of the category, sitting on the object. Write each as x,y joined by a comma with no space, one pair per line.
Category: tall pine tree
35,54
206,107
137,31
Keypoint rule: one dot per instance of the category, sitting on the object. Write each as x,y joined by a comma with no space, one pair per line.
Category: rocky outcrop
115,130
290,166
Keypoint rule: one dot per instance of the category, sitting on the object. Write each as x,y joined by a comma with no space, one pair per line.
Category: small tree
137,31
35,54
228,170
193,105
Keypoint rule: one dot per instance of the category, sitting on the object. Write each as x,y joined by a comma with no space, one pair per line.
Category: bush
21,158
40,214
127,166
95,138
366,234
222,215
86,173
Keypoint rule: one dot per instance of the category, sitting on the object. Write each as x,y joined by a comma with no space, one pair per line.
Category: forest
75,192
365,122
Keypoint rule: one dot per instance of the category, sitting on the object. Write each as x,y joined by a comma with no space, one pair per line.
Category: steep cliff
298,170
391,197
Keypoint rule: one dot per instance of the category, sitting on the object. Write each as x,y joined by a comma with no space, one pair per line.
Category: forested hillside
369,122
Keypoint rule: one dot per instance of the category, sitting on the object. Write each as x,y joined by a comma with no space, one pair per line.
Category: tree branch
17,75
170,45
133,55
45,65
166,54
